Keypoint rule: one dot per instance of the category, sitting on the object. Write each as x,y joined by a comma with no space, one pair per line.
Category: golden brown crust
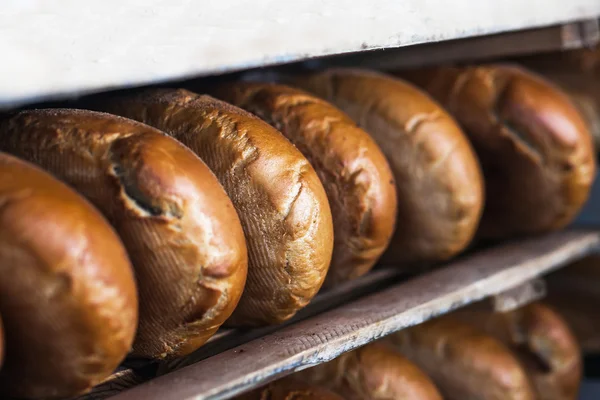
180,229
584,92
67,297
542,341
354,172
535,149
438,181
464,362
278,196
374,372
290,389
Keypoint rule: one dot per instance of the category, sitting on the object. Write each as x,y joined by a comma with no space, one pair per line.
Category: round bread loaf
67,294
290,389
542,341
280,200
373,372
181,231
464,362
536,150
438,180
354,172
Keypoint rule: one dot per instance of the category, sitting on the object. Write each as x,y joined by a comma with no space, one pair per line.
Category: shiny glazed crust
535,148
67,294
354,172
290,389
438,180
374,372
181,231
464,362
543,342
278,196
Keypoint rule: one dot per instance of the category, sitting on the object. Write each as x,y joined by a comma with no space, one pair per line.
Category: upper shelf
56,48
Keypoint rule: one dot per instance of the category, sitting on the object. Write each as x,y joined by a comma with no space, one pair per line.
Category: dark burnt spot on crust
131,190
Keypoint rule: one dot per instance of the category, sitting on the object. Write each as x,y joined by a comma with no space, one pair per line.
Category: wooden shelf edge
325,336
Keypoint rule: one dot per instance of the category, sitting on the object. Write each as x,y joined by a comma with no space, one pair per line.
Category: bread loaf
535,148
180,229
67,293
354,172
542,341
438,180
584,91
373,372
278,195
290,389
464,362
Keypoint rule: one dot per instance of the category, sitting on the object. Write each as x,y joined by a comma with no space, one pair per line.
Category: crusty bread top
278,196
437,175
535,148
356,176
180,229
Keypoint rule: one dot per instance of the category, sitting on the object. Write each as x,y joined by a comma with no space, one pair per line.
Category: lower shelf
236,361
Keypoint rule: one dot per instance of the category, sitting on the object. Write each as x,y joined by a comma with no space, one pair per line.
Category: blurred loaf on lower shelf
542,341
464,362
289,388
373,372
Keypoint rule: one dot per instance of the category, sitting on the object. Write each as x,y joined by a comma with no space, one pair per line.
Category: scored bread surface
437,175
355,174
535,148
180,229
278,196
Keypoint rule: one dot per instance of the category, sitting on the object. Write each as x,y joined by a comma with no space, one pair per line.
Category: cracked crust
543,342
437,176
374,372
354,172
535,149
281,202
181,231
290,389
67,297
464,362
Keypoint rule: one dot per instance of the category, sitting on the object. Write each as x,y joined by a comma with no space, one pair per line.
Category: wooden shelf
62,48
238,361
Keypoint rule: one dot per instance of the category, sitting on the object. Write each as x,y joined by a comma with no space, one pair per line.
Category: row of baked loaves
475,353
225,215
